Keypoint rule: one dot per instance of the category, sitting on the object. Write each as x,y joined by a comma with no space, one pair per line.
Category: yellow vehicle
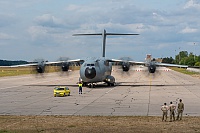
61,91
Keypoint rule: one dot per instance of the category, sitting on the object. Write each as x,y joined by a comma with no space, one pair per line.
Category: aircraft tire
90,85
93,85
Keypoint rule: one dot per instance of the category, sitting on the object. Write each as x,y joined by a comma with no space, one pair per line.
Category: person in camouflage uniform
180,109
165,109
172,108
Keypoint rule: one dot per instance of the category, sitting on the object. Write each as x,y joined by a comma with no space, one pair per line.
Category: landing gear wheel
93,85
90,85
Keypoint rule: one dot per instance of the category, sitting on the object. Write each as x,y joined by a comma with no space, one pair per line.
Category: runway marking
149,95
110,90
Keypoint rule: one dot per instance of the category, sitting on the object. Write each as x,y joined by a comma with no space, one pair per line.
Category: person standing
164,109
80,87
172,108
180,109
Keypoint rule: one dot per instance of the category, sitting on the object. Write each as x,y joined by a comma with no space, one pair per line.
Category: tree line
10,63
183,58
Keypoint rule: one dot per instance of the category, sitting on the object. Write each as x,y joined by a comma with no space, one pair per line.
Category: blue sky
43,28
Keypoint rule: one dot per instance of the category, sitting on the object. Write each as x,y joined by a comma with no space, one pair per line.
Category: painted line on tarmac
110,90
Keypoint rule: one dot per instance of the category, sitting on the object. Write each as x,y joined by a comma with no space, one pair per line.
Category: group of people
172,109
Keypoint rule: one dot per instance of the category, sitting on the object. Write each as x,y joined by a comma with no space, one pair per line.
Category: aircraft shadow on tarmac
155,85
130,84
74,85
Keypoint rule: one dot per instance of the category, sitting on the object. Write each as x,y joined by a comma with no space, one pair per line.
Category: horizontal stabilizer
87,34
104,34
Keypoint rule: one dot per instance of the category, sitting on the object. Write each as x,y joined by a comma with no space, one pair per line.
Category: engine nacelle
40,68
125,66
65,67
152,68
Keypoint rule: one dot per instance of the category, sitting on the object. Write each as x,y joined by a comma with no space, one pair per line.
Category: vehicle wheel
64,95
54,95
69,94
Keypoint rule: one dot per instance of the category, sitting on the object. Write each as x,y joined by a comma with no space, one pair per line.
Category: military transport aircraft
93,69
99,69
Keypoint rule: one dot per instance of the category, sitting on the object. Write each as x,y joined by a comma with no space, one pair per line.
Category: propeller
125,65
40,68
151,70
63,67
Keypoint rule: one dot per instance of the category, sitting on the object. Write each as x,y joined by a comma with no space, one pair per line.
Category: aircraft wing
58,62
45,63
144,63
23,65
170,65
131,62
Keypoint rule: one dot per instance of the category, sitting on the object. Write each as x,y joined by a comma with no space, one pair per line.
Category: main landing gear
91,85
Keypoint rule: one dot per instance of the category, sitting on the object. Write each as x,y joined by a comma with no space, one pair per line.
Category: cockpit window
90,64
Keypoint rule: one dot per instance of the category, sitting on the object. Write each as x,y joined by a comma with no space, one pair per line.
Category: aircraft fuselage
95,70
151,67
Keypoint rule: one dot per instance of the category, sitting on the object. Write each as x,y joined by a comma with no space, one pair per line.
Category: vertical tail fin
148,57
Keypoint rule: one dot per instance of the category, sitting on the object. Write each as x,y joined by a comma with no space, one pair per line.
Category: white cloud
192,4
158,17
72,7
49,21
188,30
37,31
53,23
4,36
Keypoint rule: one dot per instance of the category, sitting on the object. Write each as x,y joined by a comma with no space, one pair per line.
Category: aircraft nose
90,73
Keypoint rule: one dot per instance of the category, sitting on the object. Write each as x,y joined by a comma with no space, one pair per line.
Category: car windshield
59,88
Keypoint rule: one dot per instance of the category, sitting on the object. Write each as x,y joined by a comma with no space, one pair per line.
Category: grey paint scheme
102,66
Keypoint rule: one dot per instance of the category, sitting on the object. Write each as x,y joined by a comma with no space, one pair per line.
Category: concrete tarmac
136,94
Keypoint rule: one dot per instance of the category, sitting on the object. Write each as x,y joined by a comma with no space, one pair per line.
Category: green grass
14,71
96,124
183,70
7,71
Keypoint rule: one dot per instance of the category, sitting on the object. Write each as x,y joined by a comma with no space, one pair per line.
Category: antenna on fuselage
104,34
